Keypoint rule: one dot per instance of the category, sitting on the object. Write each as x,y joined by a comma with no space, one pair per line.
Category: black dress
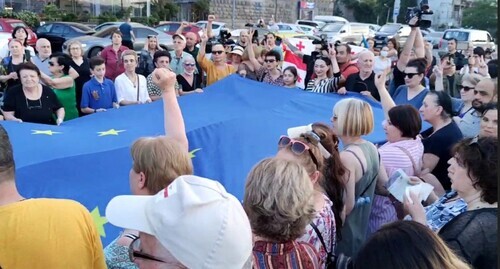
185,86
36,111
83,71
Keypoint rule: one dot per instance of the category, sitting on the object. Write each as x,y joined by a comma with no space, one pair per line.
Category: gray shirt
43,65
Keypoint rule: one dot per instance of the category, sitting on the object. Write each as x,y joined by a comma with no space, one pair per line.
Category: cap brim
129,212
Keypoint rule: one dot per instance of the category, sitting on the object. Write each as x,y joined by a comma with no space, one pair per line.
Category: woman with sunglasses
473,171
31,101
353,118
316,150
326,74
157,161
189,83
279,203
413,92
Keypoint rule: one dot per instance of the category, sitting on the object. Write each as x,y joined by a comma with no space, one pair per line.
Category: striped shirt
326,85
394,158
292,254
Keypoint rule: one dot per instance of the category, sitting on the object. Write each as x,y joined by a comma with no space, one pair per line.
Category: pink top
325,221
394,158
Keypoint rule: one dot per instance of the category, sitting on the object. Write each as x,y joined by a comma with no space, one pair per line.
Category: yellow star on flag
110,132
191,153
99,221
44,132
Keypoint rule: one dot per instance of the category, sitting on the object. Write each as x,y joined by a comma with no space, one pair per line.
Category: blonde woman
157,161
352,119
279,203
81,65
146,65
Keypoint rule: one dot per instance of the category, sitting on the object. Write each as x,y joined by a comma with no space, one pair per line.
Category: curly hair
279,199
480,157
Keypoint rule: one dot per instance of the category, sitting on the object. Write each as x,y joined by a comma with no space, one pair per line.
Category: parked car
8,25
434,38
288,28
172,26
94,44
105,25
330,19
59,32
216,26
308,30
372,28
390,30
478,38
316,24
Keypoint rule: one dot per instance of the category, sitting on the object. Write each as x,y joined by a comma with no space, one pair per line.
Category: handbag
333,261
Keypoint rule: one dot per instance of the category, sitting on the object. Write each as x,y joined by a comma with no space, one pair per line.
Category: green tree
51,12
164,9
201,8
482,15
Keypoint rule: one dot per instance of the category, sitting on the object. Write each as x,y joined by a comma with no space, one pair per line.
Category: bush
106,17
30,18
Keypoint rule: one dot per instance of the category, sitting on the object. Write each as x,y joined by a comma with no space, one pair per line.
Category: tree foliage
201,9
30,18
164,9
482,15
367,11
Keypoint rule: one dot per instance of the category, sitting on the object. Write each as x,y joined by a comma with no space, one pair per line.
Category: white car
288,28
216,26
308,30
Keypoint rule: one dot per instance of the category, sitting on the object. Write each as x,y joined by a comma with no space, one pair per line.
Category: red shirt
113,62
348,69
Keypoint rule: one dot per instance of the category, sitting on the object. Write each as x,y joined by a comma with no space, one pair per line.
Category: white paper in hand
402,182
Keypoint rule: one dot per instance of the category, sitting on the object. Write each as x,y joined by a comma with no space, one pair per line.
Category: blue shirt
96,95
400,97
125,29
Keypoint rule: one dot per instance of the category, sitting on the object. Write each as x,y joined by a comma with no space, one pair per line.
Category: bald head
43,47
365,62
486,91
191,39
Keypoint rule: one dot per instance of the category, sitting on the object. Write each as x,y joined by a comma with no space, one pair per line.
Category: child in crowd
98,93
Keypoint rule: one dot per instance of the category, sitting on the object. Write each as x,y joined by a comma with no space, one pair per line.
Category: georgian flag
291,59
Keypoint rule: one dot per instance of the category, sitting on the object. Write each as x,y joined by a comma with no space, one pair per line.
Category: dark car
8,25
59,32
172,26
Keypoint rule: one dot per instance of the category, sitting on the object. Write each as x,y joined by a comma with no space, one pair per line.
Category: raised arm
203,44
385,97
57,83
183,25
419,44
404,58
173,120
210,20
251,56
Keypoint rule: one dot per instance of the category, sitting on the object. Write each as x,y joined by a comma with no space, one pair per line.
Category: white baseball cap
194,218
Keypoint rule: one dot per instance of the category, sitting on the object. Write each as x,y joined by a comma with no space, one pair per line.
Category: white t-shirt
380,65
125,89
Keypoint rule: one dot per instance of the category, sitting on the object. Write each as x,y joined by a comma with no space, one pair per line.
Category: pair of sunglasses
217,51
410,75
297,147
465,88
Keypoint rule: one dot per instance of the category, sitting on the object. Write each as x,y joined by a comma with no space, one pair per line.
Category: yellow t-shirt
213,73
49,233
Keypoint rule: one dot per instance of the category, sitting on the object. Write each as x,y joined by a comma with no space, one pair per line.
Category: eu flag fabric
230,127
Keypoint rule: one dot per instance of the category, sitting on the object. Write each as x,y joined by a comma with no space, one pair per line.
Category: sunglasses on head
151,36
465,88
297,147
191,65
217,51
410,75
134,252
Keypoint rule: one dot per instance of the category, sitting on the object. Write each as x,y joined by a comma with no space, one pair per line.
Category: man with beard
347,67
364,80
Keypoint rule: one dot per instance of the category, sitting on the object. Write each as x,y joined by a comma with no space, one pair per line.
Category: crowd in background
312,205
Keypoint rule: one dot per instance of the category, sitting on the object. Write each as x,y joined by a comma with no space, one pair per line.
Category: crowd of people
312,205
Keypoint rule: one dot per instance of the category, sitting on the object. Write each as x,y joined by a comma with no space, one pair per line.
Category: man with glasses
43,233
217,68
193,223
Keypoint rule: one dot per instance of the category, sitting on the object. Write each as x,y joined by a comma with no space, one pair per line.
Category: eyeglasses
134,252
297,147
269,60
217,51
191,65
465,88
410,75
37,107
